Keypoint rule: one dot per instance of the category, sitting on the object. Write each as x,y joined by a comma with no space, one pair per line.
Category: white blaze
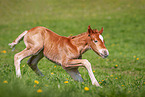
101,37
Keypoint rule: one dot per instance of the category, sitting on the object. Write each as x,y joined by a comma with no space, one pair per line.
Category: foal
64,51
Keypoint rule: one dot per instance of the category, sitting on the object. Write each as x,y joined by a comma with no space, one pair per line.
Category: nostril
105,53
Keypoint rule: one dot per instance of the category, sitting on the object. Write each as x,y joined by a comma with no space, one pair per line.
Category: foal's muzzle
104,53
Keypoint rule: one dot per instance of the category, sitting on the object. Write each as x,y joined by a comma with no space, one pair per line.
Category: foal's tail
17,40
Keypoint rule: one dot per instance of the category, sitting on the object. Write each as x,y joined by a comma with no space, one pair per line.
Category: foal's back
55,47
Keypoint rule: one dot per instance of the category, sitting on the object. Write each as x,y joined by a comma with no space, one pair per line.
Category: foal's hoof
42,75
97,84
100,86
19,76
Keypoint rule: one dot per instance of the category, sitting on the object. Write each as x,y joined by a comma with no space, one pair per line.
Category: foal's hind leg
32,62
21,55
74,73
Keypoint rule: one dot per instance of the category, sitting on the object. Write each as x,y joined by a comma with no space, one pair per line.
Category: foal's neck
81,42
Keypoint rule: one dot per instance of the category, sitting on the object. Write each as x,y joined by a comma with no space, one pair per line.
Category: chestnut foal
64,51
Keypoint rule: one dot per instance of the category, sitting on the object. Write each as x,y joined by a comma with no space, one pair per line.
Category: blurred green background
121,74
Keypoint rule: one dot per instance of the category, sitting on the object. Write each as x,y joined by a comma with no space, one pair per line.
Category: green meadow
122,74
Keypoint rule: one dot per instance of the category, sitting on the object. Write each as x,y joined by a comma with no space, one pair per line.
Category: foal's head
96,42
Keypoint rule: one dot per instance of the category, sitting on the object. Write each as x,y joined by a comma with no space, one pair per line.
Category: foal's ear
90,31
101,31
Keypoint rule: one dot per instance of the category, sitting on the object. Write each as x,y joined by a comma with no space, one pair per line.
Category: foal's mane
72,37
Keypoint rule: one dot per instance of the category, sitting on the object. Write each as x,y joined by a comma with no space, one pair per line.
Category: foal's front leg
83,62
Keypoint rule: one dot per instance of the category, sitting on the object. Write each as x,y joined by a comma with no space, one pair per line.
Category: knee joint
86,63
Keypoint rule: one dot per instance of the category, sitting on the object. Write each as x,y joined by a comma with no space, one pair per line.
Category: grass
121,74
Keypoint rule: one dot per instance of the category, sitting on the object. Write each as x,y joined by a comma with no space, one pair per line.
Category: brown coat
64,51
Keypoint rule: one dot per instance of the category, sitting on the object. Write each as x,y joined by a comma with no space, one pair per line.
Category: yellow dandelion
23,65
144,82
5,82
37,82
116,65
39,91
86,88
122,85
4,51
54,66
137,58
116,78
34,85
71,35
111,75
94,71
66,82
52,73
100,82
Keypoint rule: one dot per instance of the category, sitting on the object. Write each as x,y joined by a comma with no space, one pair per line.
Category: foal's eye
95,41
